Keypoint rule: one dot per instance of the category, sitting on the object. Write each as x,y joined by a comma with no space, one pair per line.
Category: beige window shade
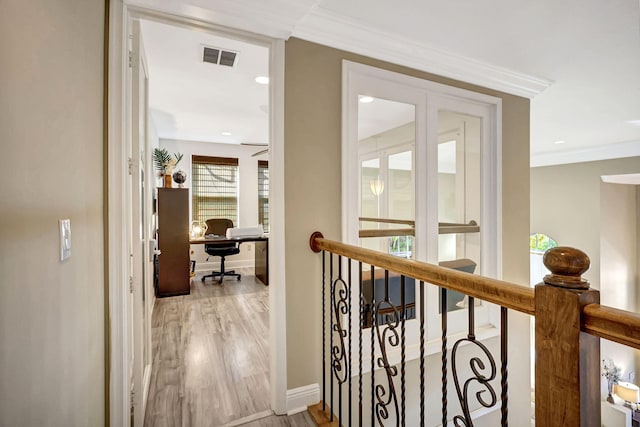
214,188
263,194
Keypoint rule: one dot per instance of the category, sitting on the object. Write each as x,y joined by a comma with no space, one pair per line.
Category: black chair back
218,226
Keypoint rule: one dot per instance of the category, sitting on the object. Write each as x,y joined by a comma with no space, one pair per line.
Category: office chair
218,226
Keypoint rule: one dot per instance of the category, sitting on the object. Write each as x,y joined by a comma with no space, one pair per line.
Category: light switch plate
65,239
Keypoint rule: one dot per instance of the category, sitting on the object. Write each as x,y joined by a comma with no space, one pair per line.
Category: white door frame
117,170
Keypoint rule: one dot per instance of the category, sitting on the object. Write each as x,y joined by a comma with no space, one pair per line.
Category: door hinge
131,165
130,284
130,59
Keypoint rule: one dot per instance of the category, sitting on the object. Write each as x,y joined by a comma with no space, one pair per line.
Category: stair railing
569,324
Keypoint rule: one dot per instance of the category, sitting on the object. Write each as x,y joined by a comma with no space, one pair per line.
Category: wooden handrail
495,291
410,222
386,232
612,324
443,228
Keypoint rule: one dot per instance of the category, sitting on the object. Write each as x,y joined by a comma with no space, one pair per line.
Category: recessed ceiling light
634,122
366,99
263,80
559,142
226,133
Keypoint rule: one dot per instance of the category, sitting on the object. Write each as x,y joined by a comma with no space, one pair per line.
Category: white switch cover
65,239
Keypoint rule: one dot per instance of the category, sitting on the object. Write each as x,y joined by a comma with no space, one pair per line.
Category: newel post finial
567,266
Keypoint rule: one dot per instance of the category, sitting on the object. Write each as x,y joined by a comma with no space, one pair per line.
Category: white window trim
428,97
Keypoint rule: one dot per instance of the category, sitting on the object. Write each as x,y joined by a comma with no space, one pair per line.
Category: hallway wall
313,86
52,324
565,204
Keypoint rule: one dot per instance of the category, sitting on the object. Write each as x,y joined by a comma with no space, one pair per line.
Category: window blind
214,188
263,194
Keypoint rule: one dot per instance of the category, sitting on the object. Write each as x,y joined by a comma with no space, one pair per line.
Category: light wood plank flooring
211,356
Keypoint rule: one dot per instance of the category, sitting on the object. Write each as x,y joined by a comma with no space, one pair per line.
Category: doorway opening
131,332
209,98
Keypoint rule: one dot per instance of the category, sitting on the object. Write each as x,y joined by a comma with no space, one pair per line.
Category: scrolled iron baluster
477,366
390,335
338,351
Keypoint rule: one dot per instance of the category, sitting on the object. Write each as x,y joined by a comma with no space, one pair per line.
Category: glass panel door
459,191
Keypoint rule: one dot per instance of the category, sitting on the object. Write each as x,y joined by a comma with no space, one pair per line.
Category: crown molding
273,18
601,152
327,28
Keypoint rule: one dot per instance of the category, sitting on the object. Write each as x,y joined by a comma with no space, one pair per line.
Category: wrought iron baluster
340,303
324,335
339,330
361,311
471,306
331,291
503,367
373,314
403,384
422,355
443,353
349,332
482,375
387,334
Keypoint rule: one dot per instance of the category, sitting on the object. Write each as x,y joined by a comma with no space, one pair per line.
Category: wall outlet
65,239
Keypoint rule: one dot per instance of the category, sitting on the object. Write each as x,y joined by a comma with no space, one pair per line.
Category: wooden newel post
567,388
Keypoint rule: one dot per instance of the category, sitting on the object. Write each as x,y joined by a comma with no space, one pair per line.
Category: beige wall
565,204
618,267
572,205
312,174
51,312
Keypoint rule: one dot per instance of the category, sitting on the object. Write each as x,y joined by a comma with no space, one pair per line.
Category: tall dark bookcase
173,242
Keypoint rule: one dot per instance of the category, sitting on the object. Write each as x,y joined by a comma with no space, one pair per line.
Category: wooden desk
261,265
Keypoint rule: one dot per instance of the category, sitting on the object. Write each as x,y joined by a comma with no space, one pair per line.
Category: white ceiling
193,100
578,60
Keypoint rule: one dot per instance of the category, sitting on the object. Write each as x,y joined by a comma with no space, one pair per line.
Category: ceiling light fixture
377,186
366,99
263,80
559,142
226,133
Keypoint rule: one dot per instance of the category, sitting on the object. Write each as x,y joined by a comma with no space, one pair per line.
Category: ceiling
198,101
578,61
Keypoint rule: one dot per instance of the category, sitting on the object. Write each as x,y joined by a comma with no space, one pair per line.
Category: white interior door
140,297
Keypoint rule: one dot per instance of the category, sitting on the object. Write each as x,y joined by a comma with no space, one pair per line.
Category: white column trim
116,211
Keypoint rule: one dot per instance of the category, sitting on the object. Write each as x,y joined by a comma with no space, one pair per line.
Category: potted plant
165,163
612,373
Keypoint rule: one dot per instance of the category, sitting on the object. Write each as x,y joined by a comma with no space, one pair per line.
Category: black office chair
218,226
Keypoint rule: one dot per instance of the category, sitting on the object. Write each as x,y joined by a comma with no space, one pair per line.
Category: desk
261,265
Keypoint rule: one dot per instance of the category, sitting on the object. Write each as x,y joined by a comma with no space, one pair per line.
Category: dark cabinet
173,242
262,261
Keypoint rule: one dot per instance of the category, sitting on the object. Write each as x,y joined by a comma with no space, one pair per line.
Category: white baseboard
208,267
299,398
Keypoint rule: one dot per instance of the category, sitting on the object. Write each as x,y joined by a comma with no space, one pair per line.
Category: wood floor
211,357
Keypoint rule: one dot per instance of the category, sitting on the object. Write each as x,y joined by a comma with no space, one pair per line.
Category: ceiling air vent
214,55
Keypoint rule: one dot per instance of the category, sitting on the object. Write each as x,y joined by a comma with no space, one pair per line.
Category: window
263,194
214,188
539,243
